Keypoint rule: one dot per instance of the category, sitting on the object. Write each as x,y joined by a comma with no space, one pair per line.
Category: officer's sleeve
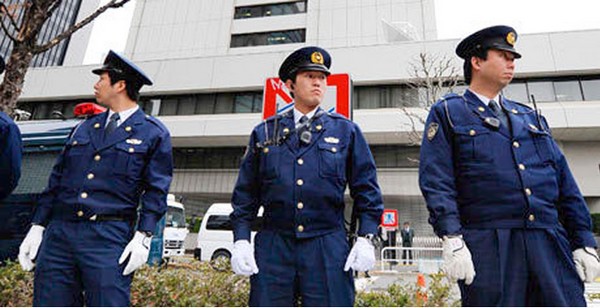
572,209
362,181
246,194
10,158
44,203
156,181
436,173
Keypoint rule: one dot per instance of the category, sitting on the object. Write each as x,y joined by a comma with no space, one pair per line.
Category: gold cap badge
317,57
511,38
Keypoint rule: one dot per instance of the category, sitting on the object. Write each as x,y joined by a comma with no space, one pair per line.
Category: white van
215,237
175,229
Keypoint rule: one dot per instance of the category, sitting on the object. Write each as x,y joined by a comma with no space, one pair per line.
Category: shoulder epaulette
156,122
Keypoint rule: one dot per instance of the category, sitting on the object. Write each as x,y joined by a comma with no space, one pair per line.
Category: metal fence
426,255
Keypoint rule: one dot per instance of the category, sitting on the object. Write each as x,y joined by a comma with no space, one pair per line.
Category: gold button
266,150
528,191
521,167
472,132
128,128
286,130
481,109
90,176
97,125
334,150
300,205
300,182
84,195
131,150
300,228
80,213
516,144
300,161
74,142
319,127
531,217
97,158
514,111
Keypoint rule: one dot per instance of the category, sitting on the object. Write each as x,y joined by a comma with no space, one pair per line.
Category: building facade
209,60
68,51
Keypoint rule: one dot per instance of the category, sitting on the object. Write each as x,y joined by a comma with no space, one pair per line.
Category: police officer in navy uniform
10,151
516,230
84,231
297,167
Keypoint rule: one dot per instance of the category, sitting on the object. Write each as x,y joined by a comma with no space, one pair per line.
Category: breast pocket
269,162
543,145
74,161
331,160
130,159
473,144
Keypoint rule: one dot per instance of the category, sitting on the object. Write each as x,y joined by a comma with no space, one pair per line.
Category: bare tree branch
4,12
67,33
7,32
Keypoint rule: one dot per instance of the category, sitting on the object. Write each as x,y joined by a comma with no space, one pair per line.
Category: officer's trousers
309,269
521,267
78,263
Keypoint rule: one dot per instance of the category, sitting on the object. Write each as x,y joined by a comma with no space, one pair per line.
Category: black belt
109,217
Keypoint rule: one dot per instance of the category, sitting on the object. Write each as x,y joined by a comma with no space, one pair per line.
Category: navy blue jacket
10,155
111,177
475,176
302,187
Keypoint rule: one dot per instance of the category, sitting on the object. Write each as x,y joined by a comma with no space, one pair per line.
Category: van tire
220,260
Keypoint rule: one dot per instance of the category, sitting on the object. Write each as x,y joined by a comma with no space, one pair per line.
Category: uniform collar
123,115
298,114
485,100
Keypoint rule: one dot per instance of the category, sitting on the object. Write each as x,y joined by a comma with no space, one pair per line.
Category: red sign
389,218
338,98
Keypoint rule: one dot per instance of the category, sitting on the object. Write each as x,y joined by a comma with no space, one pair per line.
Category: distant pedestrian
407,234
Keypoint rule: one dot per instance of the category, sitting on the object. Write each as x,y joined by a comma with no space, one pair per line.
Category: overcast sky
454,18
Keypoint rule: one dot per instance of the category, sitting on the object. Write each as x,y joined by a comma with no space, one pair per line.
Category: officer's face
498,69
309,88
105,92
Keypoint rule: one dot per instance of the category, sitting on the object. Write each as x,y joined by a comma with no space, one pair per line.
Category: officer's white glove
137,250
242,258
361,257
587,263
458,263
30,246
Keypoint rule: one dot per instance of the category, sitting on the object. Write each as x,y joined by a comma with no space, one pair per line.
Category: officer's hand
137,250
242,258
458,263
30,246
587,263
361,257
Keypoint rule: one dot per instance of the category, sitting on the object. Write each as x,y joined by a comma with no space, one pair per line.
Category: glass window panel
516,92
41,111
187,105
270,10
243,103
543,91
258,102
206,103
368,97
591,89
224,103
168,106
567,91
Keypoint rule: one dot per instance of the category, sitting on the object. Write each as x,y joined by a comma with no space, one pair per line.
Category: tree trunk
14,77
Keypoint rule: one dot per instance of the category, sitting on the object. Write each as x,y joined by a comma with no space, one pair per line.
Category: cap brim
511,50
314,67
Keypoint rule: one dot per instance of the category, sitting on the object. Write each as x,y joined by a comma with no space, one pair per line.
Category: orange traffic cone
421,289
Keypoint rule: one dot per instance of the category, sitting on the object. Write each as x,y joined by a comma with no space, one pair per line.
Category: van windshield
175,218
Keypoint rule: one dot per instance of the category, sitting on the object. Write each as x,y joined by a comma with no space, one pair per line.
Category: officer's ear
290,84
120,86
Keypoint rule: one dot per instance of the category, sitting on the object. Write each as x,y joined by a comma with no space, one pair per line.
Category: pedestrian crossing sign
389,218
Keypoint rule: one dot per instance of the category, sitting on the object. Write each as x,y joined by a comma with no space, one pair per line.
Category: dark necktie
302,128
498,112
112,124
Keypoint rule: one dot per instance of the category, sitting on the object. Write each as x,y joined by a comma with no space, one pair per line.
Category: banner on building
338,97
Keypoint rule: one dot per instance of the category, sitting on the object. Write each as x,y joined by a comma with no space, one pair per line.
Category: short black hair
468,68
132,87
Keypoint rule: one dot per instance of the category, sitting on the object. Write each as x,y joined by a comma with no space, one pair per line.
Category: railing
428,259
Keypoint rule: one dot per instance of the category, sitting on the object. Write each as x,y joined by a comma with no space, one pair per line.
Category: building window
268,38
212,103
591,89
395,156
568,90
274,9
516,91
385,96
208,158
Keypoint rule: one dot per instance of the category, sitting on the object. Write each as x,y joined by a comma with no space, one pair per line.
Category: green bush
437,295
596,223
198,284
194,226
